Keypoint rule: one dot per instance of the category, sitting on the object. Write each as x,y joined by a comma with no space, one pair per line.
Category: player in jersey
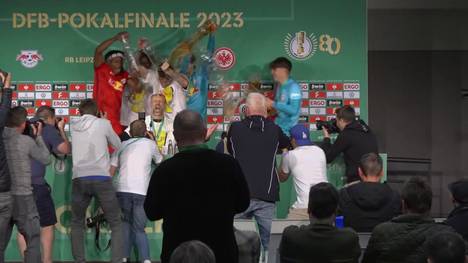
288,96
197,90
172,84
148,73
109,81
134,101
195,69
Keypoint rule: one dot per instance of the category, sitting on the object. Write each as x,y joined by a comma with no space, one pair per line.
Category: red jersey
107,92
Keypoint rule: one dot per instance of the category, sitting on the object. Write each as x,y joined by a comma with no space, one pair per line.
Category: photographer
354,140
20,151
5,196
91,137
57,142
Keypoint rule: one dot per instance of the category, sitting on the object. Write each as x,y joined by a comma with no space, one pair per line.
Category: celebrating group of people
139,148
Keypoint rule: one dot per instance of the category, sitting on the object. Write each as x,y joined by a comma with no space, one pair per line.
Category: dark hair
371,164
112,52
193,252
446,247
16,117
323,200
142,54
88,106
138,128
281,62
417,195
45,112
346,113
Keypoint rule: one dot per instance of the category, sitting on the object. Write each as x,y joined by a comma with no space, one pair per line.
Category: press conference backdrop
49,46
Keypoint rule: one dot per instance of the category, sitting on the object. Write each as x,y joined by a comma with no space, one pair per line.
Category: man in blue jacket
288,96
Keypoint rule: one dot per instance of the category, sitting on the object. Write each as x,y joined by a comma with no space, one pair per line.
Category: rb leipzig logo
224,58
29,58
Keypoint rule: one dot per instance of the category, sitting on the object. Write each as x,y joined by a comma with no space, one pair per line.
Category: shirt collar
286,82
202,146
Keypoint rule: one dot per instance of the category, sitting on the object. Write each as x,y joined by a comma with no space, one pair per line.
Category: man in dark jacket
368,203
5,196
197,193
320,241
354,140
404,238
458,218
254,142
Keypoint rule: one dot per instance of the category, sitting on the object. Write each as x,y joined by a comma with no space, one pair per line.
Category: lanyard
159,130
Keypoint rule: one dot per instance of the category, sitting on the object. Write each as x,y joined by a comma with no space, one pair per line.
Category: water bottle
170,149
132,64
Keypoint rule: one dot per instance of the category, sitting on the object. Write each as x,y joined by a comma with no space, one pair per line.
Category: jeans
263,213
5,223
82,192
134,223
26,219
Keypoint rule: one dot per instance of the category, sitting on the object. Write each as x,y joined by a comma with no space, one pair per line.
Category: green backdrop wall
49,44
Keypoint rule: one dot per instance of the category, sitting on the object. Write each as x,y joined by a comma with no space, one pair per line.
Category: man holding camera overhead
354,140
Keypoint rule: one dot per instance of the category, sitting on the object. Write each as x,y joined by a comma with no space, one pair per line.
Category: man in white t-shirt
133,161
308,166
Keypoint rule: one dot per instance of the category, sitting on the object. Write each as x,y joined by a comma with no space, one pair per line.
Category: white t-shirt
308,166
178,102
134,162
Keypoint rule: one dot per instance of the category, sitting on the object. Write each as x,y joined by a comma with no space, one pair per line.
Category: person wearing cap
458,218
308,166
109,81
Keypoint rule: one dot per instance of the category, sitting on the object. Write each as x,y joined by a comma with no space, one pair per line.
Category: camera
28,129
329,125
95,220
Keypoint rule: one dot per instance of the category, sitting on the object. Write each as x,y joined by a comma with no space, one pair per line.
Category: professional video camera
28,130
35,121
329,125
333,128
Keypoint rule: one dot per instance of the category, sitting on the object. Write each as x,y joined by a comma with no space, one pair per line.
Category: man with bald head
197,193
254,142
134,160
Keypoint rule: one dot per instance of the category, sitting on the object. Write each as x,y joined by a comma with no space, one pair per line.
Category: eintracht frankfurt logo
224,58
300,46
